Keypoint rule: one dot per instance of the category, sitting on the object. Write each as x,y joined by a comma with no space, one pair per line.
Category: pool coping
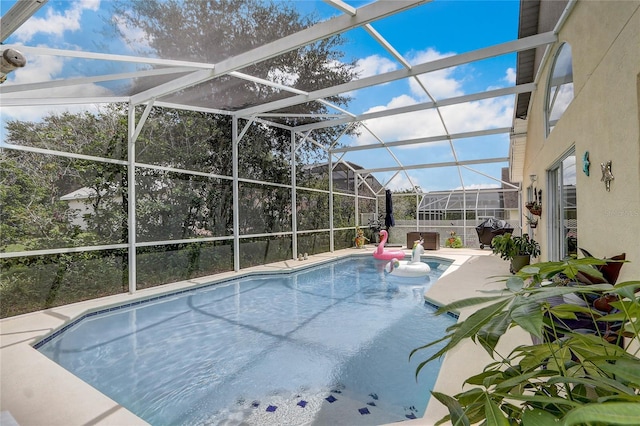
35,390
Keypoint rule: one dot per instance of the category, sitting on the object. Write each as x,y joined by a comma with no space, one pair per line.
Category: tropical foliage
569,376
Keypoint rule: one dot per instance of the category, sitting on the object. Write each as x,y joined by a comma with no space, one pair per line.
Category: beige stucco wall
603,119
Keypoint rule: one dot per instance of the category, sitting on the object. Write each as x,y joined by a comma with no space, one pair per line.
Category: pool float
382,254
412,268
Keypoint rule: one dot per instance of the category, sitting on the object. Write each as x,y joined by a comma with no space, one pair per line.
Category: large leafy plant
508,246
585,377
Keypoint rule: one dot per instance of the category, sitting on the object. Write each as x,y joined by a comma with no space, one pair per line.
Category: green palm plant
569,377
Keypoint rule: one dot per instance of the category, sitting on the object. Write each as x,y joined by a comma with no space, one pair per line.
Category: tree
171,204
36,216
211,31
404,207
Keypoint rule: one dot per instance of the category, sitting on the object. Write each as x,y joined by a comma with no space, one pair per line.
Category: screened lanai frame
192,73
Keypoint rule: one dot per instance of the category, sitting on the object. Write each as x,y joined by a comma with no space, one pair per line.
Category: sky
437,29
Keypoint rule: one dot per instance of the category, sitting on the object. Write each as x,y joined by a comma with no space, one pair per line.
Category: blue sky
428,32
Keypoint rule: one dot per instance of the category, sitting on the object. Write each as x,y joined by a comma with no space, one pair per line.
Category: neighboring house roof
79,194
504,197
84,193
343,174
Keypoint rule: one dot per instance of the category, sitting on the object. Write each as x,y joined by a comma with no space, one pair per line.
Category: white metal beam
19,13
131,199
322,30
25,88
365,14
236,194
181,83
294,197
490,177
423,106
436,165
339,4
47,51
17,102
430,139
264,82
450,61
387,46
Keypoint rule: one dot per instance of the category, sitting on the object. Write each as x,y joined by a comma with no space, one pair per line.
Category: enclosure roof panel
425,73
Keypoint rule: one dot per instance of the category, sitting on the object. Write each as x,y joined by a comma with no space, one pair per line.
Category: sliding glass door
561,208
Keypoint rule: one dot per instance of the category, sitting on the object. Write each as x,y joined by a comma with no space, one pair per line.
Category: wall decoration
586,163
607,176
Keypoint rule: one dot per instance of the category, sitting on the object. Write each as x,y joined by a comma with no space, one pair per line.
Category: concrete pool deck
36,391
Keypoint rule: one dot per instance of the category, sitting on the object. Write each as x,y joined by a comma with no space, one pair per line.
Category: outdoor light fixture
9,61
533,178
9,23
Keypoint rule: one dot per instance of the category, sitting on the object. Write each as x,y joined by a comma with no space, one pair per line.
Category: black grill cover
490,228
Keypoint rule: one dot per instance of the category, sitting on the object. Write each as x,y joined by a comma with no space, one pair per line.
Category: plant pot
533,209
519,262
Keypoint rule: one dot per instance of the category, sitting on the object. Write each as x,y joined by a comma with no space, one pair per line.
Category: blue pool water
325,345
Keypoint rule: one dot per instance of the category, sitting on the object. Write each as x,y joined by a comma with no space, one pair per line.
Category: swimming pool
325,345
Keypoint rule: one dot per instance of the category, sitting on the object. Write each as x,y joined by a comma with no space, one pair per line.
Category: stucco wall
603,119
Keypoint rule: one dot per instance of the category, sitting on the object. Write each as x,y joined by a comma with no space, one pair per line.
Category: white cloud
400,127
46,68
400,182
374,65
472,116
440,84
561,100
510,76
55,23
39,68
479,115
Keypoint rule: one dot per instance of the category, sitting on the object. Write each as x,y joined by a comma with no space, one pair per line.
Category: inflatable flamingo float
382,254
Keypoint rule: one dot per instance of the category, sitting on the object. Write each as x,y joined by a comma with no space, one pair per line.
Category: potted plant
567,377
535,206
532,221
517,250
454,241
360,239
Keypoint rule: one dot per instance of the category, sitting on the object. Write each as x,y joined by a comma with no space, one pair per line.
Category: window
559,87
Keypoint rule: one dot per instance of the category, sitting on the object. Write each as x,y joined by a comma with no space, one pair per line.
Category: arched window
559,87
